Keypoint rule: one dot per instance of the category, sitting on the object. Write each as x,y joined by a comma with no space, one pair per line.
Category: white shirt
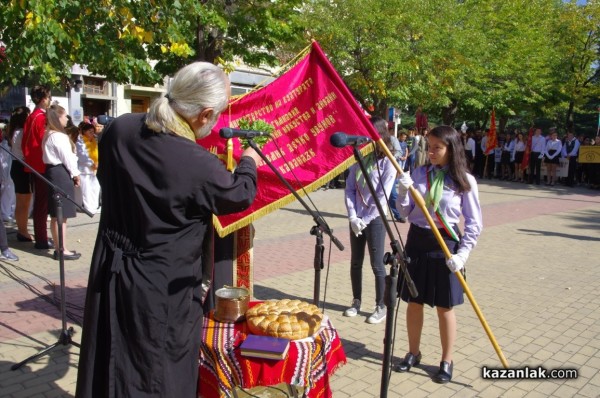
538,143
57,150
470,146
16,144
553,145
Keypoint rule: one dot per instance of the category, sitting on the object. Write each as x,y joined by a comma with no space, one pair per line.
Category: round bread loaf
289,319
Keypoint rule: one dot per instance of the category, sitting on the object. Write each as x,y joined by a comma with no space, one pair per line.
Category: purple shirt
359,201
452,206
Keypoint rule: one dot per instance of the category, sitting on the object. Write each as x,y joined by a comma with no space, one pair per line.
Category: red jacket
33,133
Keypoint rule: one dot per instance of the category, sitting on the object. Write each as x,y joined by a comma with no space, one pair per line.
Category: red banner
305,105
527,153
492,139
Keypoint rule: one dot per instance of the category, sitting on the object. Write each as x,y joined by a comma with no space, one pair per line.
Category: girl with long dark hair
450,192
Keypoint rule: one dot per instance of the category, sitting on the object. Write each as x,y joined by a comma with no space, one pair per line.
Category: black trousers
535,167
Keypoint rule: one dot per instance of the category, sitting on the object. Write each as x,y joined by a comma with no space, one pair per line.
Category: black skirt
519,157
59,176
436,285
22,179
554,160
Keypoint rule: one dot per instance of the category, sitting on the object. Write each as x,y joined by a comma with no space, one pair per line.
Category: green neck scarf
436,188
369,165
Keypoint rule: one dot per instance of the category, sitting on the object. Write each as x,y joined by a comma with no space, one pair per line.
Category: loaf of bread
289,319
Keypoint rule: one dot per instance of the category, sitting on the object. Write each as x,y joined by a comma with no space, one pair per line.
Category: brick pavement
535,275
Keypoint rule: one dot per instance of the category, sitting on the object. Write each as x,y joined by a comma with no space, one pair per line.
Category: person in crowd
22,181
488,157
5,253
87,161
518,154
538,148
469,143
507,159
61,170
570,151
410,160
498,160
415,150
143,312
7,204
31,145
366,225
479,155
552,156
400,152
450,193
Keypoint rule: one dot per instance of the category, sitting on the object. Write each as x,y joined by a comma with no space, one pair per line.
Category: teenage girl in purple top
450,193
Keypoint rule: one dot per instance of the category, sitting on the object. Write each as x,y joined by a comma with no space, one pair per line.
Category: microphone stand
316,230
66,333
397,261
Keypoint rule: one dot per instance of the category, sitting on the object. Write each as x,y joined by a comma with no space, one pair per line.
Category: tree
452,57
577,70
136,41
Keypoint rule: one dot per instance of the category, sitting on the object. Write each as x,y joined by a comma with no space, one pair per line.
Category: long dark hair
457,161
382,129
17,121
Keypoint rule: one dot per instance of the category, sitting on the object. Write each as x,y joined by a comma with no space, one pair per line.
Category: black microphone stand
316,230
397,261
66,333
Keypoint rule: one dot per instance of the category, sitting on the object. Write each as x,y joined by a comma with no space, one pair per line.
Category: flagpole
421,203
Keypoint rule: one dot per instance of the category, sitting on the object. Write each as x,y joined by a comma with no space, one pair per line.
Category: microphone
227,132
340,140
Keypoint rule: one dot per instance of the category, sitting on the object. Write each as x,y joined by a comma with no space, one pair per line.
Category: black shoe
23,238
44,245
444,375
72,256
409,361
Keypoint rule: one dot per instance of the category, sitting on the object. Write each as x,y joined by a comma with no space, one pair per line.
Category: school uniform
436,285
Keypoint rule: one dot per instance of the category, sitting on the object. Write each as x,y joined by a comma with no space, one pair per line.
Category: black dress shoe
444,375
409,361
23,238
72,256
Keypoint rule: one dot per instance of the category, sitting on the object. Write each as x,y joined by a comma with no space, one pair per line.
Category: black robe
143,311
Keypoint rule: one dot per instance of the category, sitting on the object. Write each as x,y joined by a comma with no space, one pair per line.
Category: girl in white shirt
552,157
518,154
62,171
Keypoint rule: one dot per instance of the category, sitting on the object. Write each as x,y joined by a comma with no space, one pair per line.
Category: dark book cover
264,347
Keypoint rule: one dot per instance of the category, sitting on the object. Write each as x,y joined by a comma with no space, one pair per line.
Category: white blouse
57,150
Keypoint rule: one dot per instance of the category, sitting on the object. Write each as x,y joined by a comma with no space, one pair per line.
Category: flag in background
525,161
492,139
306,105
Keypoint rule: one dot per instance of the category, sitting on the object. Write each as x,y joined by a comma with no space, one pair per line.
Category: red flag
525,161
305,105
492,139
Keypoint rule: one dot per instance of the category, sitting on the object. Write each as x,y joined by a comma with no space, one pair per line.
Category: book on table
267,347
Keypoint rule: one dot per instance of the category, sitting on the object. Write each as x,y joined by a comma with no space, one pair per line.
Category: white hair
194,88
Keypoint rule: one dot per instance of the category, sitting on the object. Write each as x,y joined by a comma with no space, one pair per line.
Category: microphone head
338,140
226,132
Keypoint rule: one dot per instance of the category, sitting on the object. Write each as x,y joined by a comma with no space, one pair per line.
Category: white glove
404,183
457,261
541,156
357,225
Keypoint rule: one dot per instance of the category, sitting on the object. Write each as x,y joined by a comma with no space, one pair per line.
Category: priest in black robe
143,311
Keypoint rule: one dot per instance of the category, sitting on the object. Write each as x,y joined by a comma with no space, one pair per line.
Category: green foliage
457,59
256,125
136,42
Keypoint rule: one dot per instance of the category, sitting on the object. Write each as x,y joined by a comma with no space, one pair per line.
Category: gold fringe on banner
284,201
